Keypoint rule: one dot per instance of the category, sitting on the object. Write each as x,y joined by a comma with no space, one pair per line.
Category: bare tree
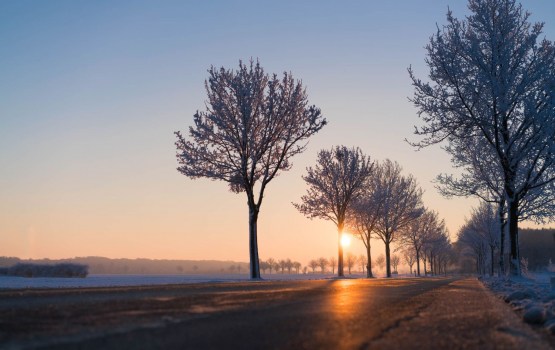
410,258
351,260
337,179
297,266
362,260
402,204
484,221
252,127
380,261
492,85
264,266
436,248
395,260
289,265
271,263
282,265
332,263
417,233
480,235
363,215
313,264
323,263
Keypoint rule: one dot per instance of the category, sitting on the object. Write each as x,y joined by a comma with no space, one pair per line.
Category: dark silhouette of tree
282,265
410,258
362,260
313,264
380,261
365,211
289,265
338,178
271,263
332,263
401,204
417,233
252,127
351,260
323,263
395,260
264,266
297,266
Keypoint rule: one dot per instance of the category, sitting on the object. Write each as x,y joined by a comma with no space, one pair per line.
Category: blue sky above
91,92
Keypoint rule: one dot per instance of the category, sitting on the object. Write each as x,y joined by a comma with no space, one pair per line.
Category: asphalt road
423,313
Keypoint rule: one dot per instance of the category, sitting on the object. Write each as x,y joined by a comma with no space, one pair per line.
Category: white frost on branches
338,178
252,126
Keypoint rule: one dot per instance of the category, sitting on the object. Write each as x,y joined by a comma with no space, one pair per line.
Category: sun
345,240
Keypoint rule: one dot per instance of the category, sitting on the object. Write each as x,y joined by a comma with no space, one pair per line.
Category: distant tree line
45,270
102,265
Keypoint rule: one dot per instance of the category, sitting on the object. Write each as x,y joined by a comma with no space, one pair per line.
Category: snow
10,282
532,296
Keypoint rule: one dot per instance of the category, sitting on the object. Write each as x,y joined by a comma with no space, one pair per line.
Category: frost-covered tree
484,221
492,79
337,179
483,178
253,125
437,249
472,244
481,234
401,204
414,235
363,215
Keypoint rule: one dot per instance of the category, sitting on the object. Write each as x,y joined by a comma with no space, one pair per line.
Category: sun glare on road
345,240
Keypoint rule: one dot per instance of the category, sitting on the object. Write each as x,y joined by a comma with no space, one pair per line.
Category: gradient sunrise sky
92,91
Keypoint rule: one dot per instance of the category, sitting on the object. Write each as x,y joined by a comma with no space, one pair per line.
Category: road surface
417,313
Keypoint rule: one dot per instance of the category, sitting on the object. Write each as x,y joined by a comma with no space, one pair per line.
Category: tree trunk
502,224
253,243
418,261
368,261
339,251
513,235
424,261
387,261
492,258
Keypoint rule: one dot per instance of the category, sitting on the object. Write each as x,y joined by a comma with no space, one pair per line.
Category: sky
92,91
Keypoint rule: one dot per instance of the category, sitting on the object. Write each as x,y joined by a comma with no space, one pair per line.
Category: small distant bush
40,270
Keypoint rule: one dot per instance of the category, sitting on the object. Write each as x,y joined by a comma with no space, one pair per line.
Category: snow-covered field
8,282
532,296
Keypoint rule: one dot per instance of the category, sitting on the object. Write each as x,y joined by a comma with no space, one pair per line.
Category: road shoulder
462,315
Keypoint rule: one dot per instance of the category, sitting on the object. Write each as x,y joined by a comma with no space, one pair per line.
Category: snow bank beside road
533,297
